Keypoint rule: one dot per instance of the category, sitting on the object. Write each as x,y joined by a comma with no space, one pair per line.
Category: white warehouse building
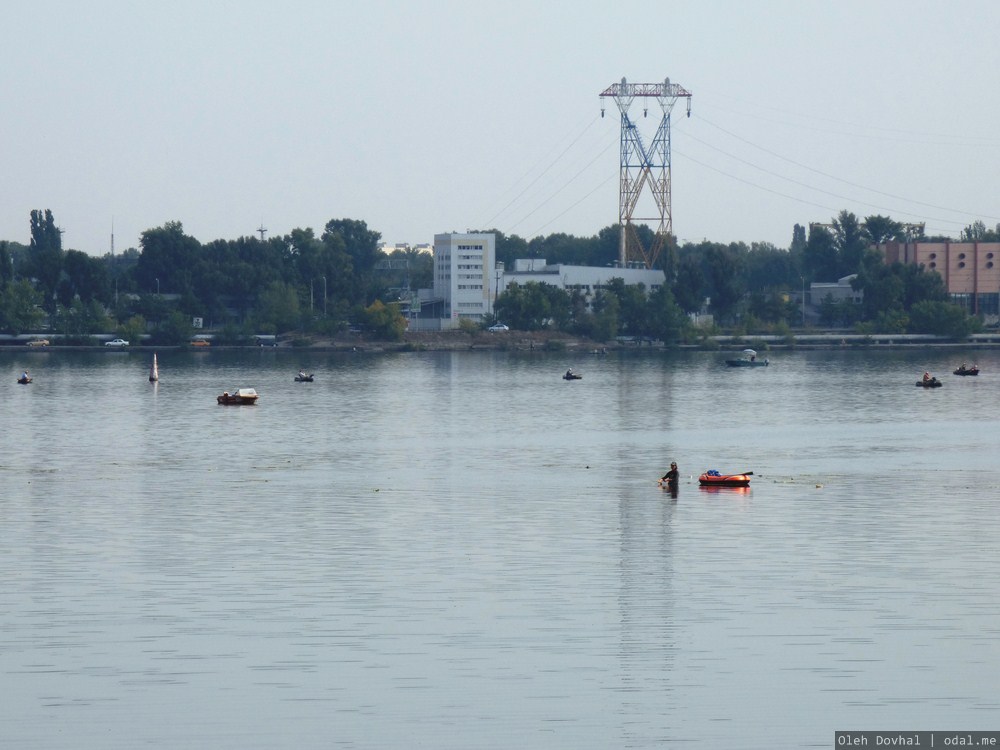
586,279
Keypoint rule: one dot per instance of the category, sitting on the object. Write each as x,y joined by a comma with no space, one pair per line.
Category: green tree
20,307
6,264
278,308
820,255
385,322
882,229
881,286
769,268
175,330
606,316
725,280
977,232
85,277
170,260
942,319
798,240
360,244
529,307
667,322
81,318
633,307
133,329
689,289
851,241
45,256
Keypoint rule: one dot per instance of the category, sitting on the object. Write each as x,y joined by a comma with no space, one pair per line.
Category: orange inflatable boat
715,479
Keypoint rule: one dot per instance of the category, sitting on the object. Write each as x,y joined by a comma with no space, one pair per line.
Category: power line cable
560,189
765,189
816,189
840,179
541,174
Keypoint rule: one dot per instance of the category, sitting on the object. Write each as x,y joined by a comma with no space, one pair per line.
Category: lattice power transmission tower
644,168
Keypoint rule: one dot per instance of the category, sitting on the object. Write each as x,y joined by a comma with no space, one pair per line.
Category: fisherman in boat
962,368
927,377
302,375
569,374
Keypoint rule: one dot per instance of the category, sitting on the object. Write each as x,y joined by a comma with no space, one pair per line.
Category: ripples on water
463,550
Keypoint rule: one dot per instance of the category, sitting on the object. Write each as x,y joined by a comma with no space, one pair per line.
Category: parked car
38,342
116,342
200,342
498,327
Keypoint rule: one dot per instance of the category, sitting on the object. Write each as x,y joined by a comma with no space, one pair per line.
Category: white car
116,342
497,328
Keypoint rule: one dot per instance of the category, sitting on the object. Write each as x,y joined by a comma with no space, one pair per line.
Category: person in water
672,476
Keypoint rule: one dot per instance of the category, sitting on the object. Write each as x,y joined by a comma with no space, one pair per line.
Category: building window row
470,286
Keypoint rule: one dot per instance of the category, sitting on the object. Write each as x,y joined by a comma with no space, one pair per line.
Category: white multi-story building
463,267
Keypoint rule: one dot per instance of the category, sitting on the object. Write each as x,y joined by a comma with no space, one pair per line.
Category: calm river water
462,550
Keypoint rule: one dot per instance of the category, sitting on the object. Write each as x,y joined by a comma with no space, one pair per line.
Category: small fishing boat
24,379
570,375
932,383
963,370
749,359
713,478
239,397
303,378
154,371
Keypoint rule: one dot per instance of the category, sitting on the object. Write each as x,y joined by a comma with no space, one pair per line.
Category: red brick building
971,270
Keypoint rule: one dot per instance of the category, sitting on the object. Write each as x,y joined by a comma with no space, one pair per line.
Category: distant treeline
309,283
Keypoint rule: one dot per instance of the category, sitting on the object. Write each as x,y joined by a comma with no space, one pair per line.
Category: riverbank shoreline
543,341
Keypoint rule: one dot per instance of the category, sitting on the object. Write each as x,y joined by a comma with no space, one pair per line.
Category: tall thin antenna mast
262,230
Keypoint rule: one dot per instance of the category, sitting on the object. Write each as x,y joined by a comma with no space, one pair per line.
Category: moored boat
24,379
303,378
963,370
713,478
931,383
570,375
239,397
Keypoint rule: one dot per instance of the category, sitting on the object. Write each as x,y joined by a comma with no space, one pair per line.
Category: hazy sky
429,117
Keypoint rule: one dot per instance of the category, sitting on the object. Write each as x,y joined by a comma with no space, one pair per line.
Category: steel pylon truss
643,168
